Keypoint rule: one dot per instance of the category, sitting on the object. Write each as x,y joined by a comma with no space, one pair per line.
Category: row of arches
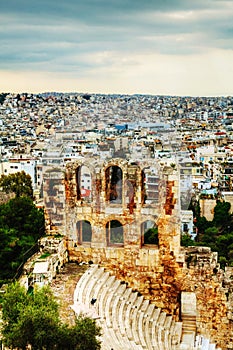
117,186
114,231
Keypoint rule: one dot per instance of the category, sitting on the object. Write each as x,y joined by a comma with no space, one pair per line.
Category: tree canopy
20,183
216,234
33,318
151,236
21,225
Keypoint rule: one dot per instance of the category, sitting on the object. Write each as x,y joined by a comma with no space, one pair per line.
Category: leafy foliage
21,225
34,319
216,234
186,240
222,218
151,236
20,183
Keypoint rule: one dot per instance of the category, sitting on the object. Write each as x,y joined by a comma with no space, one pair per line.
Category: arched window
84,231
83,183
113,190
149,233
114,233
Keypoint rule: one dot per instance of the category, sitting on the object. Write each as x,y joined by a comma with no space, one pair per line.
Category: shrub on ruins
19,183
21,225
33,319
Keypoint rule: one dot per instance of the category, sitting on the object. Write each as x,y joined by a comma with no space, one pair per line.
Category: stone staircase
189,323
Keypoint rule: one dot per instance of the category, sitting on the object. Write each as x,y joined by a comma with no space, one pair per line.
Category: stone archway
113,181
149,233
114,233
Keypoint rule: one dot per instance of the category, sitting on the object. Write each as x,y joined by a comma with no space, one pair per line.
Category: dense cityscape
129,182
54,128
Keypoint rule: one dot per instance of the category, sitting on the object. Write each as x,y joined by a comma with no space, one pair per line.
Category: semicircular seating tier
128,320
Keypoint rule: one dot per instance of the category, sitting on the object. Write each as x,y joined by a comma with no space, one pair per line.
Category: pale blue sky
177,47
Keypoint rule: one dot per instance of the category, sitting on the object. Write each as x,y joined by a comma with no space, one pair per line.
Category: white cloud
175,47
207,74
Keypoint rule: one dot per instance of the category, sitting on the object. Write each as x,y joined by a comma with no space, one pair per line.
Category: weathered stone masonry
108,228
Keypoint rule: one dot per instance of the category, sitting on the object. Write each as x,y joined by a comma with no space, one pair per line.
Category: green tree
222,217
34,319
187,241
80,336
202,224
151,236
21,214
20,183
210,235
21,225
218,233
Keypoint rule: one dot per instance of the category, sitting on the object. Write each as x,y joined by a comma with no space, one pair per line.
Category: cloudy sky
175,47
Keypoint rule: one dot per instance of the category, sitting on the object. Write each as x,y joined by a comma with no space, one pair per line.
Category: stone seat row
128,320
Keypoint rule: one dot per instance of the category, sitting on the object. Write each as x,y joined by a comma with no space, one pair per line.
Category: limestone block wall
213,289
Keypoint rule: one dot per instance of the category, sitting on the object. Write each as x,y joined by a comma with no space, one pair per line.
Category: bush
33,319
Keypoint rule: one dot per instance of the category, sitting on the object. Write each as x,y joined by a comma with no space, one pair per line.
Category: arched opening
149,233
113,190
83,183
114,233
84,231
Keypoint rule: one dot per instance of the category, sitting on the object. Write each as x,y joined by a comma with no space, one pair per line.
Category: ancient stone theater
125,216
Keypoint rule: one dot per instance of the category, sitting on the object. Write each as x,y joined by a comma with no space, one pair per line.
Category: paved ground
63,288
